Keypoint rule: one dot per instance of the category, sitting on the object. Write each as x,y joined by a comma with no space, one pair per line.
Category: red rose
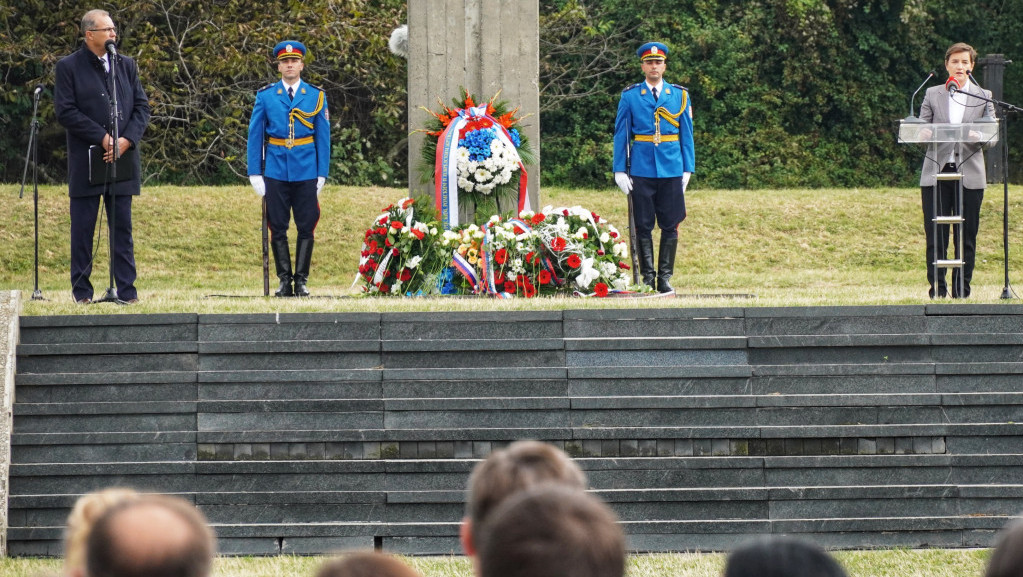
381,231
596,217
623,265
558,244
396,225
387,274
394,252
600,289
544,277
565,212
406,275
385,288
380,251
585,235
574,261
417,233
601,253
613,234
501,256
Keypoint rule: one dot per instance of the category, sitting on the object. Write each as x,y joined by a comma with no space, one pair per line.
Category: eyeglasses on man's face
110,30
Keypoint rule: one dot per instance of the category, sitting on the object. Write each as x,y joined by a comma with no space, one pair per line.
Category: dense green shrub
785,92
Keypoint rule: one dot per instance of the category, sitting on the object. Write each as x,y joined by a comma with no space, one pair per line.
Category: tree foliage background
786,92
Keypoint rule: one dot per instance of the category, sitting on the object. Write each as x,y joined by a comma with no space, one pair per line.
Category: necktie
291,93
654,91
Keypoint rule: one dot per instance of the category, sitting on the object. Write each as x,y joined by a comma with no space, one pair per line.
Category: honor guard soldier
654,157
288,159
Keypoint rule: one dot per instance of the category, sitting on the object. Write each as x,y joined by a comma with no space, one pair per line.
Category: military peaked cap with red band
652,50
289,49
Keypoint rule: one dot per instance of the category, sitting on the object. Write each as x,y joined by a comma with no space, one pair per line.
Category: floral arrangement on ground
563,250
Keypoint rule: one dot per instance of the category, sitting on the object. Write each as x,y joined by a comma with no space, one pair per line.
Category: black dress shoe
83,301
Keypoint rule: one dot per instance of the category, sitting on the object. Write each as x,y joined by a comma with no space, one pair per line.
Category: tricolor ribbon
445,173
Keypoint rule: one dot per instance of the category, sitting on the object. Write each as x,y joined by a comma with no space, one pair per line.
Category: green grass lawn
779,247
885,563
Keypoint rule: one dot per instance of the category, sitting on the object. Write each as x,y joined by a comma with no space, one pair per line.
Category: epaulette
314,86
265,87
628,88
679,86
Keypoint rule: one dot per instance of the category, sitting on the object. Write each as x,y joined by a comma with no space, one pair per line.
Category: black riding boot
282,261
666,264
645,256
303,258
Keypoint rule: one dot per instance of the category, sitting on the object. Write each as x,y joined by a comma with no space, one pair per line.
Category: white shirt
293,87
956,110
659,87
957,105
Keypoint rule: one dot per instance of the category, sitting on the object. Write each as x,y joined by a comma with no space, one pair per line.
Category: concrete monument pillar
483,46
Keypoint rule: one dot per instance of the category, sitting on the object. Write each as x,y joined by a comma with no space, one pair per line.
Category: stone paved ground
9,303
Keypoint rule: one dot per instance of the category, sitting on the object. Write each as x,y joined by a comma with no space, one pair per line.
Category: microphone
111,47
930,74
952,85
39,88
969,74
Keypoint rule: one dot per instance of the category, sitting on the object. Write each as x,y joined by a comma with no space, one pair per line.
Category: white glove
685,180
257,184
320,181
624,182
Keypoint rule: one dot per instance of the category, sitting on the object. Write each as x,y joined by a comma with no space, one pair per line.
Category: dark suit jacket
81,98
935,110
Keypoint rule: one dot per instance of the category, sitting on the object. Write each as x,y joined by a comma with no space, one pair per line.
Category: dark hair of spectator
781,557
551,531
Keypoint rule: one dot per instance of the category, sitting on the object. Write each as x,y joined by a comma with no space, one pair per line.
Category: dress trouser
84,214
660,199
937,248
284,198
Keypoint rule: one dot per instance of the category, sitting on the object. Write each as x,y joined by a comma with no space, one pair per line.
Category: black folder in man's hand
101,172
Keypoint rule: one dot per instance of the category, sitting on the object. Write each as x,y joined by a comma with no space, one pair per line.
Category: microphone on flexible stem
952,85
37,91
912,117
111,47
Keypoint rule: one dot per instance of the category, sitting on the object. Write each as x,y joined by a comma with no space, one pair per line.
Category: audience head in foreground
781,557
87,509
151,536
1007,558
551,531
366,564
521,465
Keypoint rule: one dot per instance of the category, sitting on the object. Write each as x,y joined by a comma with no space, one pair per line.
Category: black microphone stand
32,157
1006,108
110,194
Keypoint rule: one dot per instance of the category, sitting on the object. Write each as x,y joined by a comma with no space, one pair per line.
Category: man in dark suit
944,106
82,99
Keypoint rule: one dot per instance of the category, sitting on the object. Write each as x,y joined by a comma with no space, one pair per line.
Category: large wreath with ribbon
475,152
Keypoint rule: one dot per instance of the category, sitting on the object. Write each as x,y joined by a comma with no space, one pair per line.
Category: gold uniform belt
291,142
655,138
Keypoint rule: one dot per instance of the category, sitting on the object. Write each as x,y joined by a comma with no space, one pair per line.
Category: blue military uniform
653,143
289,145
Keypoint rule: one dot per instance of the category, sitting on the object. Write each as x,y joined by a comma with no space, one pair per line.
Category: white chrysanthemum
608,269
620,283
482,175
465,184
605,238
619,249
